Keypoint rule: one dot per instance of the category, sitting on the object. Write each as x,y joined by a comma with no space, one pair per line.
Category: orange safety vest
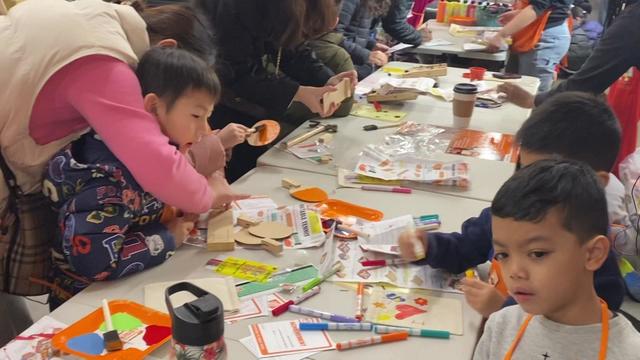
526,39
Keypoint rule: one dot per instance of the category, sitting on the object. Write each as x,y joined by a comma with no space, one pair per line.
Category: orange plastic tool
334,208
304,193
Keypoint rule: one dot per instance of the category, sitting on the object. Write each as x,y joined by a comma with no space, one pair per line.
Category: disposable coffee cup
464,100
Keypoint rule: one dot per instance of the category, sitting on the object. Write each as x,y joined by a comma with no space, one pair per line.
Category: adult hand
426,34
232,135
496,43
381,47
312,98
222,192
508,16
407,242
378,58
180,227
517,95
482,297
351,75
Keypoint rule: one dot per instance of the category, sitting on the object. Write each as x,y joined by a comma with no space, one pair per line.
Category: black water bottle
197,326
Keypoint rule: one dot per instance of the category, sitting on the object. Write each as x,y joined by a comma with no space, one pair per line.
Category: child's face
186,122
544,265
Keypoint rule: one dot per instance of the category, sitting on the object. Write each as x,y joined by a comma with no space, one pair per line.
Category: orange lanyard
604,337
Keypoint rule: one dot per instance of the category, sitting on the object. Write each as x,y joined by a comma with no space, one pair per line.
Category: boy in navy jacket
572,125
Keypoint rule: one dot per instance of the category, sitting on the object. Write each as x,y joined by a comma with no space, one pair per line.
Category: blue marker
321,314
440,334
335,326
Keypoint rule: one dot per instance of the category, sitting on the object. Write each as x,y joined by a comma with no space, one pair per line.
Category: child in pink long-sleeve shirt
110,225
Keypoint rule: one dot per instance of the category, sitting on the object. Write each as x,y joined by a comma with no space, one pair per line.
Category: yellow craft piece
384,317
369,112
393,70
246,269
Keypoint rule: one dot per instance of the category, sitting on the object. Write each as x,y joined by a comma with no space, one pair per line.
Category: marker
440,334
360,295
322,315
285,306
336,326
395,189
317,281
383,262
427,217
372,340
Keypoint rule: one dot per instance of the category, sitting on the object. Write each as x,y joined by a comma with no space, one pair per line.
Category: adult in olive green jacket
328,50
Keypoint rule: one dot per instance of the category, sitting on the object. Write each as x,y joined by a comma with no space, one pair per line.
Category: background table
486,175
188,263
441,32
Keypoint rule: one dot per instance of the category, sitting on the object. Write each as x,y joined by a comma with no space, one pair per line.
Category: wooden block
399,96
246,221
289,184
343,91
220,232
426,71
272,246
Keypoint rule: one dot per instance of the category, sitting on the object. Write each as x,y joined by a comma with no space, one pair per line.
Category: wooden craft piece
264,132
397,96
433,70
304,193
220,232
244,237
272,246
271,230
246,221
343,91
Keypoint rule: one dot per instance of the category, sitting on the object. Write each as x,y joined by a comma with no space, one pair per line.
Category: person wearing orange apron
540,35
549,222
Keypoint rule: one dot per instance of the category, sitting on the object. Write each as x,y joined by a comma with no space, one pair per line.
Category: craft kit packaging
197,326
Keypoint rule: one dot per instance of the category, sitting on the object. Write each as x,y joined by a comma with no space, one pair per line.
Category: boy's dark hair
568,185
576,126
170,72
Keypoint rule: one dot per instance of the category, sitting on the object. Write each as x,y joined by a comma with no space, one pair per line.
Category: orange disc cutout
266,131
309,194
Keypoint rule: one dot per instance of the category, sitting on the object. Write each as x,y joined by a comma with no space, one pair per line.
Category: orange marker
360,293
372,340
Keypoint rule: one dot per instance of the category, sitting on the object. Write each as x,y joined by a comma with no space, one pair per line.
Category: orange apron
526,39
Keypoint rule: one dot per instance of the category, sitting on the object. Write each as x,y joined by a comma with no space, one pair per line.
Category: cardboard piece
264,132
220,232
244,237
271,230
433,70
304,193
343,91
398,96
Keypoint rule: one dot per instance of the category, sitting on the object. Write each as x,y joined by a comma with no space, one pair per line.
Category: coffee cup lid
465,88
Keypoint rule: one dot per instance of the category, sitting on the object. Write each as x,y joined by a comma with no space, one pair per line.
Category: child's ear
167,43
597,251
151,102
603,178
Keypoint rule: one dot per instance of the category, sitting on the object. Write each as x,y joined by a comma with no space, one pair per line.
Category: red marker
284,307
383,262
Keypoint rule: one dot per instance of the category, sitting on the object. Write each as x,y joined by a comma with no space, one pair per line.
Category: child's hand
482,297
180,227
223,195
407,243
232,135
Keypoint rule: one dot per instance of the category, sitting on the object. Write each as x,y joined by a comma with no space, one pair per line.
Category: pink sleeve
108,95
208,155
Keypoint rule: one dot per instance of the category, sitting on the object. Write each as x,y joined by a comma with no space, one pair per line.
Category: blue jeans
542,60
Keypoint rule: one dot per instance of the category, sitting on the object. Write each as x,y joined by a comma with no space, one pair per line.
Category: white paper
223,288
399,47
434,43
286,338
250,344
35,342
250,308
254,203
383,235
